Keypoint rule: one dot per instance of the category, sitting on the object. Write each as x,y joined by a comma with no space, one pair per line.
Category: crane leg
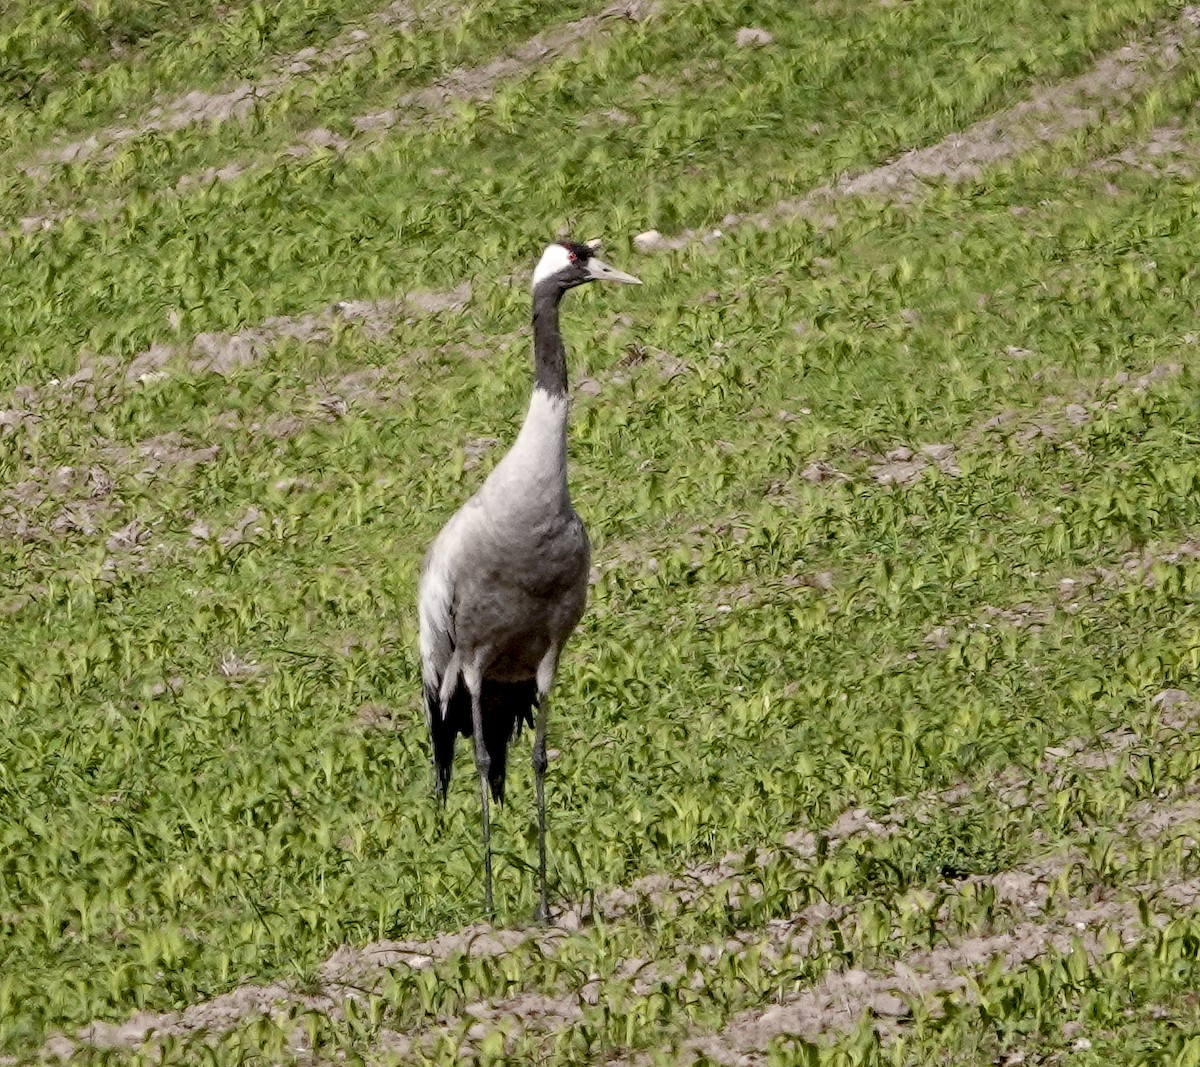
540,762
483,764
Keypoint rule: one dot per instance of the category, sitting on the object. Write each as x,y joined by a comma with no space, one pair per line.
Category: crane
504,583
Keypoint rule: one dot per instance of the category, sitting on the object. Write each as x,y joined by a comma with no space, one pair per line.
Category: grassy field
878,743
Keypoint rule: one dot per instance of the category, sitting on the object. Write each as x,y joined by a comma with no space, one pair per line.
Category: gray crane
505,582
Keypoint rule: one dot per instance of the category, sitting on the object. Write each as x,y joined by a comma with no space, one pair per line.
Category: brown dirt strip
1047,116
237,102
1134,567
351,972
989,140
99,378
1055,418
1169,151
86,493
461,85
479,83
834,1004
221,353
1054,111
838,1002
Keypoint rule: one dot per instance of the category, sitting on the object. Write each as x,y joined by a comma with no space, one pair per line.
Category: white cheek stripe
554,259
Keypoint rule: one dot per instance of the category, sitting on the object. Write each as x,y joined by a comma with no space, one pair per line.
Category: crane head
566,264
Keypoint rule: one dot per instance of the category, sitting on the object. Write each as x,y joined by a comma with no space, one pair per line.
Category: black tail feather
507,707
442,733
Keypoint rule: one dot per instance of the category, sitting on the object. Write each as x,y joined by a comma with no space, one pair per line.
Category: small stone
753,37
650,241
898,471
820,580
937,453
819,471
59,1047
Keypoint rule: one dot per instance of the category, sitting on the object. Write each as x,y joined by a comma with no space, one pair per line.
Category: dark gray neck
549,356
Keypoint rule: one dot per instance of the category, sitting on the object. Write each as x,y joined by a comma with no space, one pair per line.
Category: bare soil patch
236,102
86,493
1170,151
100,379
903,466
840,1001
478,83
836,1003
1048,115
462,85
1094,584
223,353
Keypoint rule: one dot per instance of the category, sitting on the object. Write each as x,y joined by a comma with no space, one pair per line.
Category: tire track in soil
900,178
479,83
215,108
990,140
1170,151
1032,616
459,86
835,1003
842,999
1048,115
87,491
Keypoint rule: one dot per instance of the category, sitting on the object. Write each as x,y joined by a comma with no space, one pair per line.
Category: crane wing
439,665
435,606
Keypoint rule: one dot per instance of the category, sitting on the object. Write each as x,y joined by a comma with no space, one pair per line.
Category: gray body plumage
505,582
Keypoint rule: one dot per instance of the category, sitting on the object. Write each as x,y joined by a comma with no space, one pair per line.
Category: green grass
757,655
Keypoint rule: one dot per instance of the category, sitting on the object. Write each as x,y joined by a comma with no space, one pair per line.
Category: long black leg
483,764
539,778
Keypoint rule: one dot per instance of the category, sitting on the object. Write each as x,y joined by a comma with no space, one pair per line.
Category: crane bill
602,272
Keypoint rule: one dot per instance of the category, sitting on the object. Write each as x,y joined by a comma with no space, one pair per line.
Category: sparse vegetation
877,743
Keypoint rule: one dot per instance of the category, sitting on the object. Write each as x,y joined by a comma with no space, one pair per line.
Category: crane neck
549,356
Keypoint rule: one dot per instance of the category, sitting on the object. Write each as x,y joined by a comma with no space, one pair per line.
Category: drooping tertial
505,581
